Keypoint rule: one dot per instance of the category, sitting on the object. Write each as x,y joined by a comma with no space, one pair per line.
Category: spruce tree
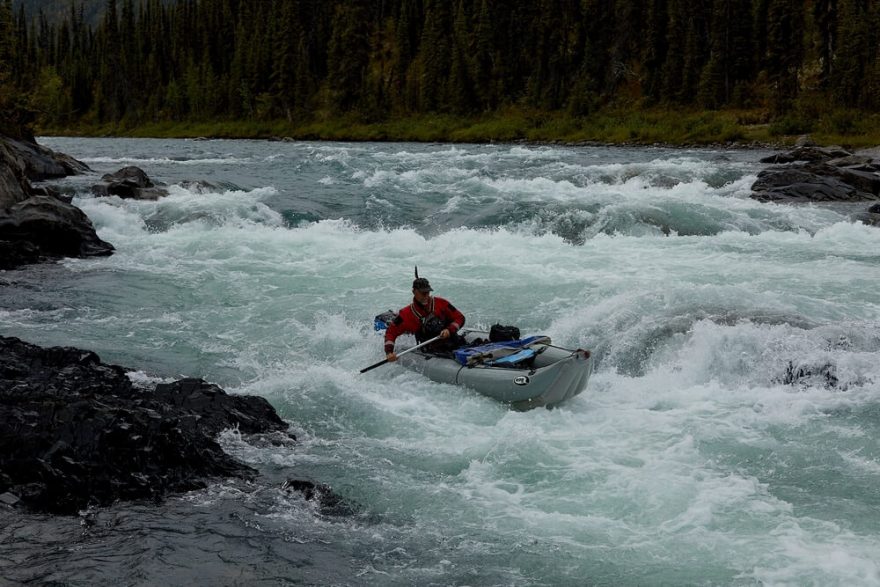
784,51
672,70
852,53
825,17
7,41
347,56
482,58
656,48
731,51
435,55
461,94
286,61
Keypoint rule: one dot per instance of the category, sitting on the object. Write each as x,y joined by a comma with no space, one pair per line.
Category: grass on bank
641,127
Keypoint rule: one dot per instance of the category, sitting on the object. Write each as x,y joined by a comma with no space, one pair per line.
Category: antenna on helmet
417,271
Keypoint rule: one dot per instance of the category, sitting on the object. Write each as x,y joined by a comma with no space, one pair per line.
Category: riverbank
729,128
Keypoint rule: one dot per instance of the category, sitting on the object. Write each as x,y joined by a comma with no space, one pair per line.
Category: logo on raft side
522,380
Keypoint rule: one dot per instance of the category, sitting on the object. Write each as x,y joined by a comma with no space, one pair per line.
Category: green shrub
791,124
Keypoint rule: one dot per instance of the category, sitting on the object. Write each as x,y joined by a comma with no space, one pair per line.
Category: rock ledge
76,432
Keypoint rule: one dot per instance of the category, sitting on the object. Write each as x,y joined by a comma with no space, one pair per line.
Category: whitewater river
729,435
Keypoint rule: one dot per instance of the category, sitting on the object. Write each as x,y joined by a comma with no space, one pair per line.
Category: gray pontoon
527,375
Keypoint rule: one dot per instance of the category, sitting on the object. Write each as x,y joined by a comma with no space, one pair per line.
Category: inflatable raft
524,373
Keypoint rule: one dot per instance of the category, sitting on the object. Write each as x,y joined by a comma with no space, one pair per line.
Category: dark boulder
824,175
55,228
216,408
14,185
329,504
859,162
802,185
77,432
129,182
864,181
43,163
817,182
807,375
807,153
45,190
14,254
39,224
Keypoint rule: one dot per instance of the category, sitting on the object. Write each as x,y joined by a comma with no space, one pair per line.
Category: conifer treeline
212,59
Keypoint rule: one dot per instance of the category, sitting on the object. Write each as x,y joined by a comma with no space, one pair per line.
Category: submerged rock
129,182
823,375
77,432
202,186
329,504
871,216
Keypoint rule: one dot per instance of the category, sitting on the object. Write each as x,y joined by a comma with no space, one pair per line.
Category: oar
418,346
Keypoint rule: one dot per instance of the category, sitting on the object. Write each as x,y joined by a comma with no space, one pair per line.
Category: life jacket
425,322
430,325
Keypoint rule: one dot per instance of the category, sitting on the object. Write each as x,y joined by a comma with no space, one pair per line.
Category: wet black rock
38,224
130,183
823,375
43,163
51,227
52,192
76,432
816,174
201,186
329,504
17,253
807,153
816,183
14,184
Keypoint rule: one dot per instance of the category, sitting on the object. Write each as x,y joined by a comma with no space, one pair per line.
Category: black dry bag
499,333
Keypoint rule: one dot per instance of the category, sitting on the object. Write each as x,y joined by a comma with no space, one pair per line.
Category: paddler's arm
456,322
395,329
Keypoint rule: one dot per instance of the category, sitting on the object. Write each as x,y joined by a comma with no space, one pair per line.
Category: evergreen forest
788,63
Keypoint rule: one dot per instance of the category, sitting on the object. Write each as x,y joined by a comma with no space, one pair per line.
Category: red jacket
410,319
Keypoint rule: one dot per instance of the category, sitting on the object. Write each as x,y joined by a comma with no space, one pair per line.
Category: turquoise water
729,435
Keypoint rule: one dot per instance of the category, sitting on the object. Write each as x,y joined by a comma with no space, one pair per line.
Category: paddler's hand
390,357
444,333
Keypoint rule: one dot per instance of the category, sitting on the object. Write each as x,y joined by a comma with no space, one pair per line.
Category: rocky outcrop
807,153
43,163
77,432
52,228
37,224
817,174
816,182
14,185
129,182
